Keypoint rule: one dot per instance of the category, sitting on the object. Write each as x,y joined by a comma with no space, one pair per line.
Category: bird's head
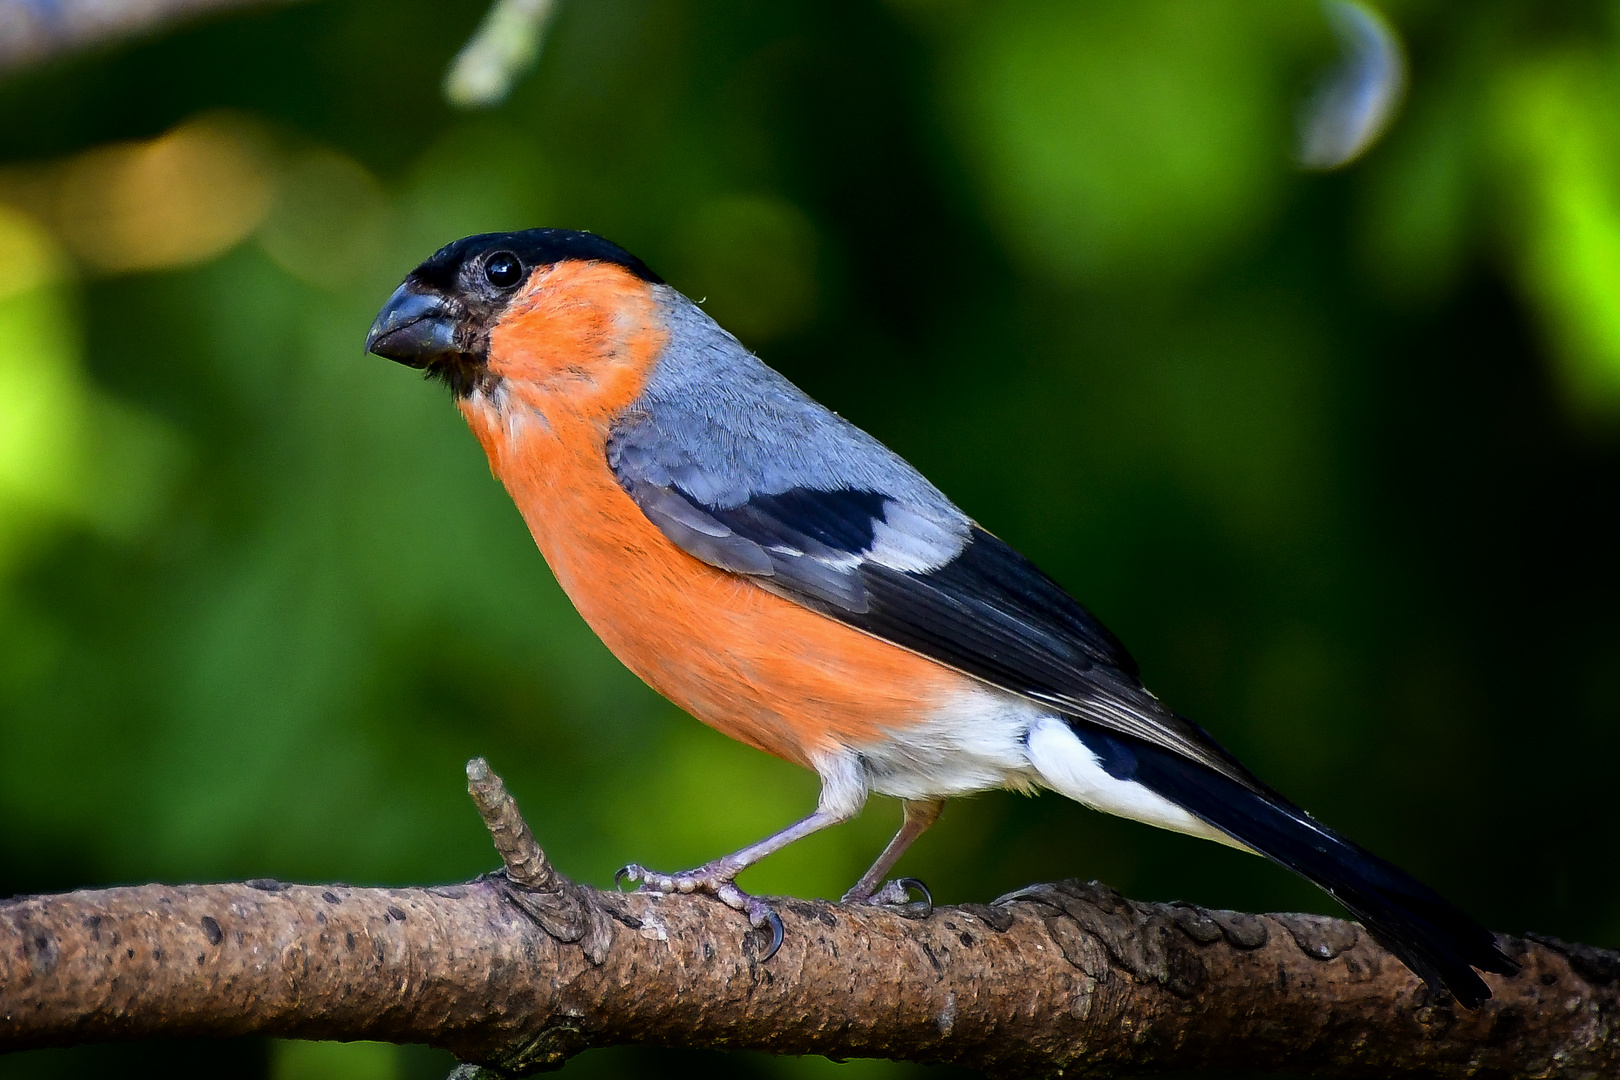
543,317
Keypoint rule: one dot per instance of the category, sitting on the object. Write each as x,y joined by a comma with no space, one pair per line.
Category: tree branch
34,31
523,968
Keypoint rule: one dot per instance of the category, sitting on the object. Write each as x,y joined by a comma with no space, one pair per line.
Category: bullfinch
787,579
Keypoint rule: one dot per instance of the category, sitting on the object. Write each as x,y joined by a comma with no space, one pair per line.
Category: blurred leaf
1558,126
750,259
67,452
481,176
1125,137
291,1060
330,220
1418,196
42,396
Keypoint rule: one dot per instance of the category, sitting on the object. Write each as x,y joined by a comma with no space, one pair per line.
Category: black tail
1437,941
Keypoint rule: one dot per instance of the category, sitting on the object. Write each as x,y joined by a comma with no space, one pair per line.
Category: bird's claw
718,884
897,894
777,934
759,914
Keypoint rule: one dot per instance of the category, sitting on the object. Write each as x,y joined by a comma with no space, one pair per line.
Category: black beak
414,328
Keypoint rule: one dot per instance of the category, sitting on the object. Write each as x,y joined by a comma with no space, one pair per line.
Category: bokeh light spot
330,219
179,199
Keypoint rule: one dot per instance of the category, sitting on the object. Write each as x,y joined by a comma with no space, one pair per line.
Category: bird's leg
711,876
718,878
919,815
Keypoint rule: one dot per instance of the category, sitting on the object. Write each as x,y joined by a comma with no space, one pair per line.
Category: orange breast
754,666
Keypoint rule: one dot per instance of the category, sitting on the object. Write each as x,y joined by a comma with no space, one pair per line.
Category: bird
785,578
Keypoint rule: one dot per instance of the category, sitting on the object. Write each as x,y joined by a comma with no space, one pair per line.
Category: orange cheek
581,340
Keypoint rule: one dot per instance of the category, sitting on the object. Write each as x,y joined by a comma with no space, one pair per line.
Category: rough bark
523,968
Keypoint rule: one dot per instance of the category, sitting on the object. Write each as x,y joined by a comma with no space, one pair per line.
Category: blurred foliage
1117,137
1330,452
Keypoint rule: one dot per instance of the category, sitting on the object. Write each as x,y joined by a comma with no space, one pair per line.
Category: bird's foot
716,880
896,894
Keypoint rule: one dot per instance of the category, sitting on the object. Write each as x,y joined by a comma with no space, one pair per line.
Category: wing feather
984,609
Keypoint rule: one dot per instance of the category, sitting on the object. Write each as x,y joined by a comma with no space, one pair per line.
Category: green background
1331,453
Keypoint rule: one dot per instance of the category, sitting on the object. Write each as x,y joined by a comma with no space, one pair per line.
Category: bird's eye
503,270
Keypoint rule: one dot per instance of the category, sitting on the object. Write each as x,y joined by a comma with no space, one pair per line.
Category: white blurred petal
505,46
1358,98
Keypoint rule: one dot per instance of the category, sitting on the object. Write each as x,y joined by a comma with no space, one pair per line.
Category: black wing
983,609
